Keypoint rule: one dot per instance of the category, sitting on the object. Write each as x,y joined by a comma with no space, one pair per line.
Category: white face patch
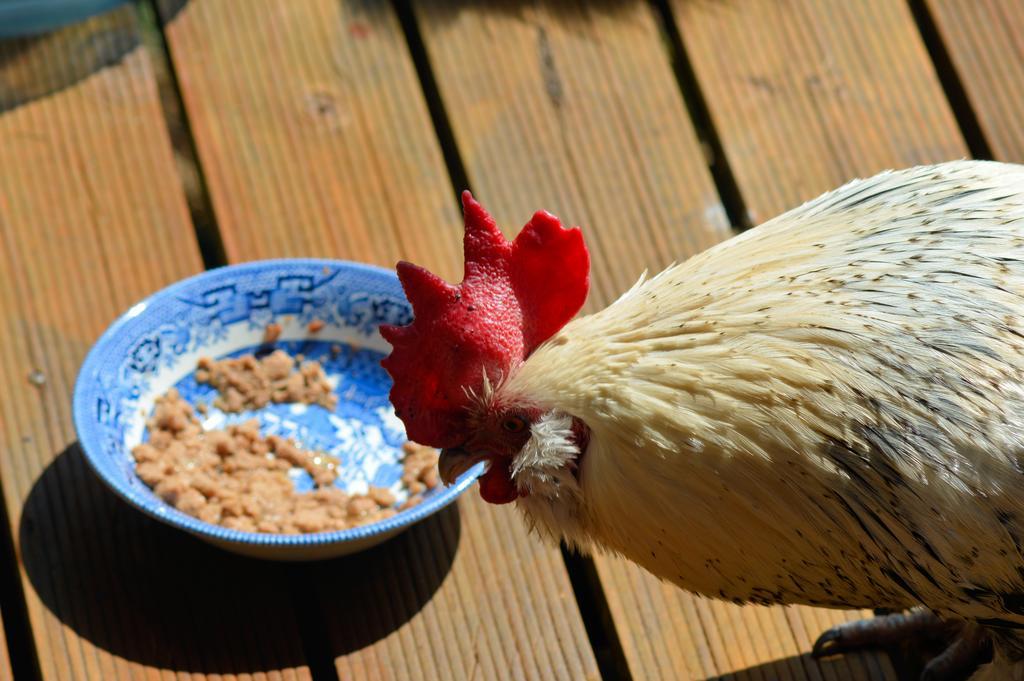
544,470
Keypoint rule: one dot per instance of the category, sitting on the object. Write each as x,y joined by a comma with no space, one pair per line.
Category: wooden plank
315,139
821,92
92,218
311,130
985,42
575,109
669,634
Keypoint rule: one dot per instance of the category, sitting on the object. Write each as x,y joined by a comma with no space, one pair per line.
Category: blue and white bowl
224,312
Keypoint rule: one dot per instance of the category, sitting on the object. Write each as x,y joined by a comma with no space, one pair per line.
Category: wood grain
669,634
312,131
92,218
985,41
573,108
808,95
315,138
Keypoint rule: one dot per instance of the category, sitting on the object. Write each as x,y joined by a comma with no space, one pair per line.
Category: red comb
514,296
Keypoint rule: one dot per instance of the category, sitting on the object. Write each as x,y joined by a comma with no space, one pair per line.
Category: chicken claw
878,632
970,649
968,646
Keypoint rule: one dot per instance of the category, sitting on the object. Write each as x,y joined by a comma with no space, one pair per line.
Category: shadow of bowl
156,596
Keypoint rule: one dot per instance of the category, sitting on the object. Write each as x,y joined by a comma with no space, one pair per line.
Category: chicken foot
968,646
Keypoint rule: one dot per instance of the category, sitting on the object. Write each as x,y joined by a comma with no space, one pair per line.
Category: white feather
544,470
825,409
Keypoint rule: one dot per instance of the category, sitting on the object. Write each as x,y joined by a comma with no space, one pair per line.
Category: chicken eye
513,424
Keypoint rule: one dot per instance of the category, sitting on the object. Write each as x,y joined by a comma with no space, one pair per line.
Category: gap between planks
94,219
363,218
952,81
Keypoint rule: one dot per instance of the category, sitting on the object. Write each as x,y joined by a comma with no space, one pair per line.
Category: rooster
827,409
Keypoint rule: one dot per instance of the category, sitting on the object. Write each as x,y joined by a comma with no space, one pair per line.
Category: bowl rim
87,431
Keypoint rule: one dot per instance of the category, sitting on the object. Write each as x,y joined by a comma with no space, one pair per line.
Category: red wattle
496,486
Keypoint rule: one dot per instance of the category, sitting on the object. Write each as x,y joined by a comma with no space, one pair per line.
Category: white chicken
827,409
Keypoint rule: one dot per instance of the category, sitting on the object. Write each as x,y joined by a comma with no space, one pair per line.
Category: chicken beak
454,462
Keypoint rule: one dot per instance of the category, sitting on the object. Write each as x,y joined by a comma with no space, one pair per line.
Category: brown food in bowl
249,383
271,333
239,479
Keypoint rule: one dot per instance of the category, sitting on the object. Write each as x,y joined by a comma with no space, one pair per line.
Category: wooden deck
171,135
